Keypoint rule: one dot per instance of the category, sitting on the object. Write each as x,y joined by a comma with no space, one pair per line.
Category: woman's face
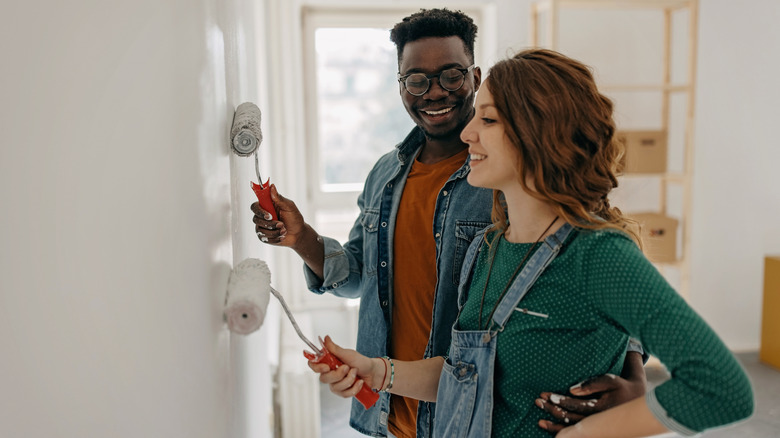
494,160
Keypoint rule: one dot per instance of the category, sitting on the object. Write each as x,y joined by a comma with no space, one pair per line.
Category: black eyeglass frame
463,71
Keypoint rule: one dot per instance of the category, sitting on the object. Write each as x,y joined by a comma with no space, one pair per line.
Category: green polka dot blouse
597,292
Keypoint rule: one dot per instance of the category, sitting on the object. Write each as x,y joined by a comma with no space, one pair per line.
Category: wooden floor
765,423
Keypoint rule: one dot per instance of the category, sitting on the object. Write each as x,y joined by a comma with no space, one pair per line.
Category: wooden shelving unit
547,31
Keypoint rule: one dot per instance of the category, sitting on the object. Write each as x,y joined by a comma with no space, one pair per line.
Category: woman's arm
632,419
708,387
415,379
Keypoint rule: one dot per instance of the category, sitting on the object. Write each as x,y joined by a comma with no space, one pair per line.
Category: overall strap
529,274
466,270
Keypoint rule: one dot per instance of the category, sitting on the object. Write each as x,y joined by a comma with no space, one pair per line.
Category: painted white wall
121,219
736,188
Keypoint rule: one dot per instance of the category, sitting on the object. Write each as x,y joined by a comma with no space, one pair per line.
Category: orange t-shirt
414,279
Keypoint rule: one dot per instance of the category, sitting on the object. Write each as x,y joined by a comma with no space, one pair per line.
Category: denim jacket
363,267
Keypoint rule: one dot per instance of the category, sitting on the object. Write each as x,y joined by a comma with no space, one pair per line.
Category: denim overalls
464,402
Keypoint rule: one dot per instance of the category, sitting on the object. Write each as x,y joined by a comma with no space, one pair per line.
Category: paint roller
245,138
248,292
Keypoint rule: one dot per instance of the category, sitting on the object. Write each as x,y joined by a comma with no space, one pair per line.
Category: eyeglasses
451,79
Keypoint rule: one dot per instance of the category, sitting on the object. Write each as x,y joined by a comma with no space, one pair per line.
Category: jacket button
384,303
444,193
383,264
384,224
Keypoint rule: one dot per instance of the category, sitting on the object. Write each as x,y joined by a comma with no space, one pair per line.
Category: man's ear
477,78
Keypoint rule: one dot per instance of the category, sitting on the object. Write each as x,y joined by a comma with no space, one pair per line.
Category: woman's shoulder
604,240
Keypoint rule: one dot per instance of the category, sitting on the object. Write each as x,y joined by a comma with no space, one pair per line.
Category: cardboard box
659,235
645,151
770,320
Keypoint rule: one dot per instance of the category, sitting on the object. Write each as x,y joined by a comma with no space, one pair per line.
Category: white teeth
439,112
477,157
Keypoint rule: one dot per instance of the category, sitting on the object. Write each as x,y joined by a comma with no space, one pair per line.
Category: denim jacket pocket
464,234
455,399
369,219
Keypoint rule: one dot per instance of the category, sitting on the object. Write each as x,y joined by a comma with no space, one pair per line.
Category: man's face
438,112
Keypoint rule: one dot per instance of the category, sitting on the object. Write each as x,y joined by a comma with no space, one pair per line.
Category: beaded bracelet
392,374
382,383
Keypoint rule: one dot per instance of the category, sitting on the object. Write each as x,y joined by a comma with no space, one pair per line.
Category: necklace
511,279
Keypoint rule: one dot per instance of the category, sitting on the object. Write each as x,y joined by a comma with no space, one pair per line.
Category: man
417,217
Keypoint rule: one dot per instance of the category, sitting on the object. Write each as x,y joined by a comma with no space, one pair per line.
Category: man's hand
286,230
290,231
594,395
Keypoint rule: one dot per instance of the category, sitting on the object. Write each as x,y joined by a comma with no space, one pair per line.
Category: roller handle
263,193
365,396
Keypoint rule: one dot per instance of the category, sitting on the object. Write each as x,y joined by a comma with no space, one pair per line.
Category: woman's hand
357,371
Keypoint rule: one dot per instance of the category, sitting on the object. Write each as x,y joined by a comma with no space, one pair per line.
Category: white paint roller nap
245,133
249,287
248,293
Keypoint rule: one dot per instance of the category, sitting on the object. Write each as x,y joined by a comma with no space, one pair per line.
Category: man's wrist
309,241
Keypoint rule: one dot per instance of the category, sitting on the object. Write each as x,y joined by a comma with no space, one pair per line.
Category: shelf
674,120
647,87
613,4
676,178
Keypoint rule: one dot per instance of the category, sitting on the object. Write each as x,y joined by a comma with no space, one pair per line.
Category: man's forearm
312,250
633,368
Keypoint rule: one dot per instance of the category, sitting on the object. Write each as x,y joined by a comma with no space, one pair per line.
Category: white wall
736,188
118,231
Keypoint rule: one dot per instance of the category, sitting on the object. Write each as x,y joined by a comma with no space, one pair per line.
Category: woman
551,292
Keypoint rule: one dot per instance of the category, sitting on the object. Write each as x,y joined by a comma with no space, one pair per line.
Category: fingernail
264,239
322,343
282,237
577,386
268,216
260,233
540,402
543,424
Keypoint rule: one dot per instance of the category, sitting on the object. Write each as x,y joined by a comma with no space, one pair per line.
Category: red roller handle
365,396
263,193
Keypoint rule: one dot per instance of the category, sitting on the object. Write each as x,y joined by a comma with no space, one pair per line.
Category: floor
765,423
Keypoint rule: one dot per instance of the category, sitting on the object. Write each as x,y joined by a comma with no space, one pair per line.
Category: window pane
360,113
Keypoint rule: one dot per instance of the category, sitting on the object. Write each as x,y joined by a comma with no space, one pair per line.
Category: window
353,108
